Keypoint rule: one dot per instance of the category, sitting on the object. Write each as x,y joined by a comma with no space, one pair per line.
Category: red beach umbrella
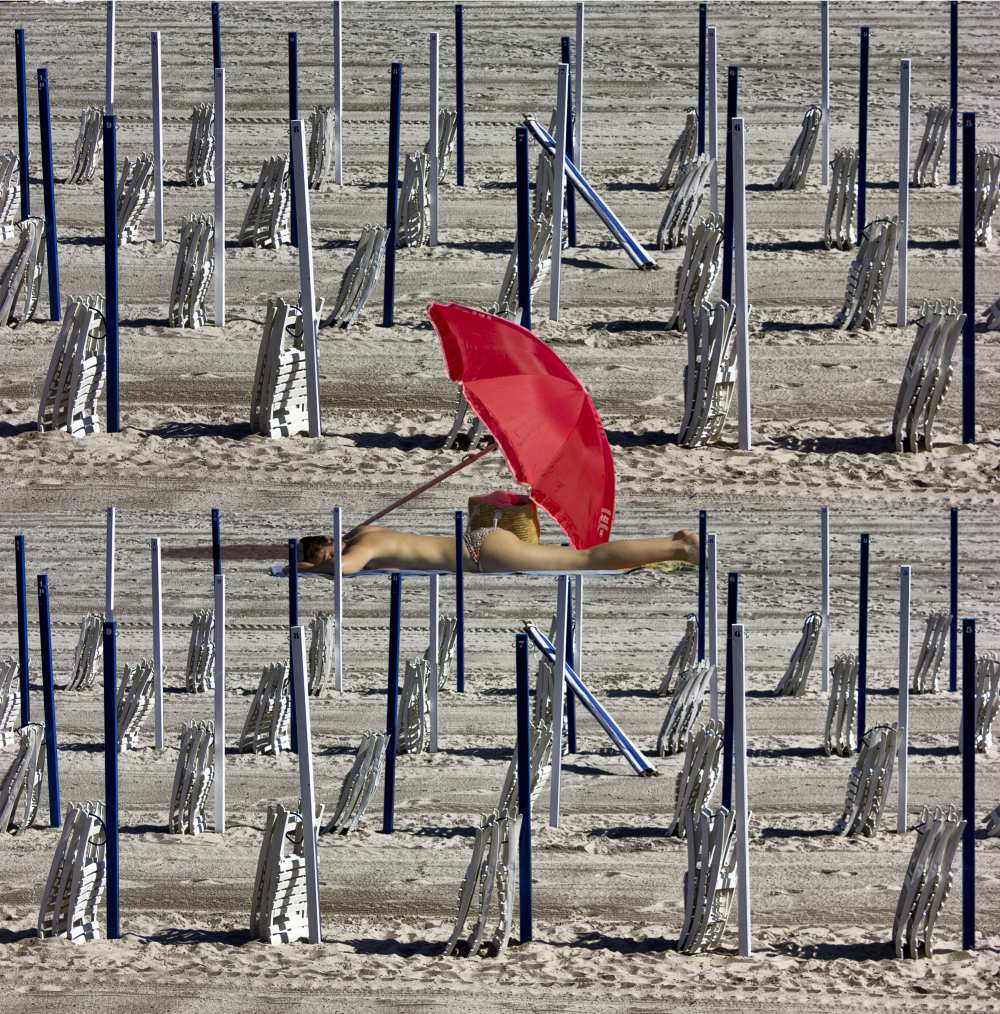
540,414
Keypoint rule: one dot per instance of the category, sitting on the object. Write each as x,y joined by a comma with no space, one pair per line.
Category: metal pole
433,139
293,621
824,595
577,621
713,121
310,323
739,240
459,602
732,107
903,212
953,596
578,97
338,93
863,636
392,193
569,193
904,698
570,699
110,538
338,598
702,579
112,852
713,626
111,347
293,115
524,226
216,38
460,95
310,827
109,59
558,190
220,704
969,278
524,787
220,197
742,806
392,702
157,596
953,131
702,55
48,698
216,542
969,814
824,100
863,133
49,191
21,579
558,699
22,122
154,40
732,617
433,591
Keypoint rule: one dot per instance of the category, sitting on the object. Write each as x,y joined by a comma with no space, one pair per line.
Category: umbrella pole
430,484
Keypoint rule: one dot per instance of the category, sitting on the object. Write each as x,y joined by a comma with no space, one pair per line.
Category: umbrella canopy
542,418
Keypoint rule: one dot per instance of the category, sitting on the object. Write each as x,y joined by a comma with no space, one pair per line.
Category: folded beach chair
697,779
199,672
321,138
684,708
85,147
459,436
683,655
508,302
135,191
10,192
21,786
413,211
85,653
793,683
991,317
541,760
135,698
447,130
491,874
683,149
199,167
987,700
796,171
193,271
868,277
360,277
10,700
21,279
193,777
841,710
987,194
265,223
993,823
698,270
684,202
926,883
359,784
75,377
414,714
869,783
841,230
266,729
710,880
926,377
447,639
710,373
322,644
76,877
925,168
928,667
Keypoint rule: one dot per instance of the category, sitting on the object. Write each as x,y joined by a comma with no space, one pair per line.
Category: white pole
904,190
338,598
154,552
109,59
824,101
578,89
558,189
558,697
220,197
220,703
109,564
338,93
713,122
433,587
713,624
306,282
904,697
306,789
154,38
740,277
824,594
433,189
742,809
578,617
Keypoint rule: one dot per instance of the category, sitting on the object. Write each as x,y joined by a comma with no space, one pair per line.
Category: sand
608,881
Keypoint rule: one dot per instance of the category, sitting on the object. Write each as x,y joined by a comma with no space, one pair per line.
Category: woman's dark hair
315,547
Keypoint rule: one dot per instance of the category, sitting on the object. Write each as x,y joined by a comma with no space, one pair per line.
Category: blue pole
570,192
953,588
523,226
392,193
293,621
570,706
863,636
49,185
953,132
22,121
524,786
293,114
111,347
216,543
702,76
111,778
460,94
392,701
863,133
49,698
702,580
459,602
732,110
732,616
21,576
969,784
969,278
216,38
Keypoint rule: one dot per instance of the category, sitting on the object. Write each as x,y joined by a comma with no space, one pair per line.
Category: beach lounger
322,644
459,436
135,698
684,708
413,720
199,166
135,191
987,700
199,671
869,783
10,700
710,373
10,193
926,671
683,150
684,202
265,224
793,683
991,317
683,656
193,272
193,777
413,211
710,880
993,823
21,279
91,135
841,710
359,784
840,230
321,137
447,130
541,759
266,729
447,639
21,786
85,653
360,277
868,276
698,777
796,170
925,167
509,301
698,270
987,194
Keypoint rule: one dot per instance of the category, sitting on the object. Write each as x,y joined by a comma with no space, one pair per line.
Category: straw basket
510,511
